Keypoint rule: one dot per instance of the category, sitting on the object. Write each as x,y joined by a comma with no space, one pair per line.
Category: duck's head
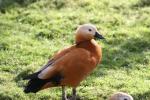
87,32
121,96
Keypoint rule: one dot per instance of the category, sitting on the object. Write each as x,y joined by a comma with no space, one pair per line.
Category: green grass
32,30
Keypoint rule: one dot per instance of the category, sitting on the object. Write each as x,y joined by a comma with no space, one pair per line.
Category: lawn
31,31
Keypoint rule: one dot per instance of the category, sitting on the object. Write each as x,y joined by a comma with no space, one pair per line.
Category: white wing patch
45,72
47,65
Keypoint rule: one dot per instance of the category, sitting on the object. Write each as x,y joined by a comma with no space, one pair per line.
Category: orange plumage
71,65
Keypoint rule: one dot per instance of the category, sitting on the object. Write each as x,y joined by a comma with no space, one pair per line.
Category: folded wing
69,69
35,82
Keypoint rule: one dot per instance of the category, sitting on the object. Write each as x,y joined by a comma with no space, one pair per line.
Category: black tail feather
34,85
31,76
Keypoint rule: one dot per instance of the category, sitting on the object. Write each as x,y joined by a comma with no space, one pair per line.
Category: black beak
97,35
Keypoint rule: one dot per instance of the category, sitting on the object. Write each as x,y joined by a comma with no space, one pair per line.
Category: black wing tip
27,77
31,76
26,91
29,91
34,85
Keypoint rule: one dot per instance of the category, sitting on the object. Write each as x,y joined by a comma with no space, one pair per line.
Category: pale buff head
121,96
87,32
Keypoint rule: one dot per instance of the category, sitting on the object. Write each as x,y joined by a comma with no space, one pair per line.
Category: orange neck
92,46
80,39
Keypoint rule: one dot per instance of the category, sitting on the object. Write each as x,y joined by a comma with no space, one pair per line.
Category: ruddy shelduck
71,65
121,96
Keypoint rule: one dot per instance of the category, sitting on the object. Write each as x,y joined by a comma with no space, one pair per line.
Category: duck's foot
70,97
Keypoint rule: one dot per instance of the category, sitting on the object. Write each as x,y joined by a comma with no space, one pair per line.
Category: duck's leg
64,97
74,96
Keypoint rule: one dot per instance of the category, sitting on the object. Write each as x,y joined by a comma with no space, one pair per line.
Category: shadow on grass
143,96
57,4
126,54
142,3
4,4
23,74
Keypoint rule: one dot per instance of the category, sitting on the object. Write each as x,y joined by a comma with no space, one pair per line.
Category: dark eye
125,99
90,29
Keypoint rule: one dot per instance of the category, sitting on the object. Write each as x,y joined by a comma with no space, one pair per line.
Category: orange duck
69,66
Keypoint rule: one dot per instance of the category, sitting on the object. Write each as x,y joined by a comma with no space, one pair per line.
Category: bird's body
77,63
69,66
